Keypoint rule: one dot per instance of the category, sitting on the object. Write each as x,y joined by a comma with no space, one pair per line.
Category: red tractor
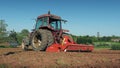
49,36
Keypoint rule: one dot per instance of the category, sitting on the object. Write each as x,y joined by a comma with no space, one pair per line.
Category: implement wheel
70,39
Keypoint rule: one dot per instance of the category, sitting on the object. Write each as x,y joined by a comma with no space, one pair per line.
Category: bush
83,40
115,47
102,45
1,46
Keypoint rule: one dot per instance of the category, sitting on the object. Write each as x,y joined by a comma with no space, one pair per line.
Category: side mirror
64,21
33,30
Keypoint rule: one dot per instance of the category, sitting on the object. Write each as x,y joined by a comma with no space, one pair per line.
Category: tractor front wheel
25,44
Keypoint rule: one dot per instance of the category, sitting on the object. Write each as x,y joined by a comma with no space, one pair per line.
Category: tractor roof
49,15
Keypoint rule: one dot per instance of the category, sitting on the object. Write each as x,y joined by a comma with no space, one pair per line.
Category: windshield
56,24
41,22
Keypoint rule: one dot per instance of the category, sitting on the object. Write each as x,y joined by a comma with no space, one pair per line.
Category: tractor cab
49,21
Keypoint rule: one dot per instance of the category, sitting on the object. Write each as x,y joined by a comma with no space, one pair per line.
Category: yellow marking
63,41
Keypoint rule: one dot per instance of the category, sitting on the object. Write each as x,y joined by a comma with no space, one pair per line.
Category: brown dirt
99,58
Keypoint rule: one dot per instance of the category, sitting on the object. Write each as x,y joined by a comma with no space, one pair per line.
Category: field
99,58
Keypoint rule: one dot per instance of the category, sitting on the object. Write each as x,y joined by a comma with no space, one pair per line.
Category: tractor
49,36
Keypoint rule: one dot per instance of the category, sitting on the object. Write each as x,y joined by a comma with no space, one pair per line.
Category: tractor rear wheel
24,47
50,38
41,39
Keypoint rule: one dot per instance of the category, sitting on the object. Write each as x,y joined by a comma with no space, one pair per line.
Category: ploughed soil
99,58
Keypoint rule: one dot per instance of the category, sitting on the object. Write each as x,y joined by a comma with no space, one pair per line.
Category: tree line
16,37
90,39
11,36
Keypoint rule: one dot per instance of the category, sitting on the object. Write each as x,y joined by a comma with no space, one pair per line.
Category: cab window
41,22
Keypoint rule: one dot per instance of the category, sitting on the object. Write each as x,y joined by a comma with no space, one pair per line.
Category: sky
85,17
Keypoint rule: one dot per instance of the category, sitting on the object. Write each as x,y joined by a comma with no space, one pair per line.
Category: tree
24,32
3,30
22,35
3,26
13,35
74,37
105,39
84,40
13,40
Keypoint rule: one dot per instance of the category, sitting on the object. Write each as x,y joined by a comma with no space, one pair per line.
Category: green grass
109,45
115,47
102,48
102,44
3,46
5,66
